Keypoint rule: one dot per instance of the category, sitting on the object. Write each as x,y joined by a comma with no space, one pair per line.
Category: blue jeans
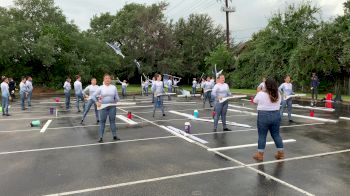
30,94
220,110
146,90
80,98
269,120
5,105
123,92
170,89
194,90
207,96
110,112
67,101
287,103
87,109
22,97
158,103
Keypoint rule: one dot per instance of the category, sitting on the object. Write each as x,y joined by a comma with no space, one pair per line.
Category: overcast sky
251,15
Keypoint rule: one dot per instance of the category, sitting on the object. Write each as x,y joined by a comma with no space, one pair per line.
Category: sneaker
8,114
116,138
101,140
227,129
259,156
291,121
82,122
163,114
214,130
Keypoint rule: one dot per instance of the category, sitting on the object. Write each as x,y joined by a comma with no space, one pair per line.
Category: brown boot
279,155
259,156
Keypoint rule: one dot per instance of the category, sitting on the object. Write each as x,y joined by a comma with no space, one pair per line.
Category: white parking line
47,124
145,181
191,117
247,145
83,145
240,107
206,172
344,118
293,115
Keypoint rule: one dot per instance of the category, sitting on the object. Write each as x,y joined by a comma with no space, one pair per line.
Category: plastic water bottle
195,113
187,127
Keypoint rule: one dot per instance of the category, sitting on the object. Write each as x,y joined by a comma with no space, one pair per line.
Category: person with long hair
269,119
92,88
107,94
158,89
67,87
286,89
5,95
220,90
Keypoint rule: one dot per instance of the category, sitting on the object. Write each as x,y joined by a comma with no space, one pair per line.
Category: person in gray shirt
67,87
78,89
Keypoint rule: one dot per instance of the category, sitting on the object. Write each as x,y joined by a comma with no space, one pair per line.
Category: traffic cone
213,114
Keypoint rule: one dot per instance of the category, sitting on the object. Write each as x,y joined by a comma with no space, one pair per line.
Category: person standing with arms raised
158,89
269,119
286,89
92,88
29,84
23,92
107,94
5,95
67,87
78,89
220,90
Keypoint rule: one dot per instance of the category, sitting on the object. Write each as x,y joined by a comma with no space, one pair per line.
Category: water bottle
195,113
187,127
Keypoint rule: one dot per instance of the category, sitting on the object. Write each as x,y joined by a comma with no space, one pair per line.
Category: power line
178,4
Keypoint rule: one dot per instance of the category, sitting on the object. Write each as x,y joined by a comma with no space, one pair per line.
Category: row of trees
297,42
36,39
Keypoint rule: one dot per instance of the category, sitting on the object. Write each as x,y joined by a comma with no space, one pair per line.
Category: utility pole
228,9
